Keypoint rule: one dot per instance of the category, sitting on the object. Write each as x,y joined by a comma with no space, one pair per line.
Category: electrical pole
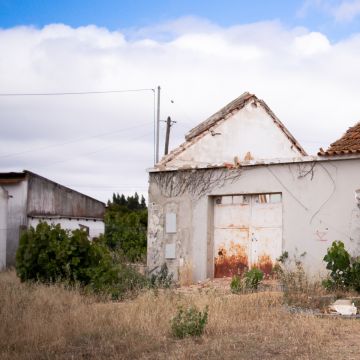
169,123
167,137
157,126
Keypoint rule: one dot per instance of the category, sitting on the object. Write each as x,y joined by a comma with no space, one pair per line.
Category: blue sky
316,15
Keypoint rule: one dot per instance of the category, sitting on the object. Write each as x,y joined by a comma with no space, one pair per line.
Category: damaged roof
203,128
349,143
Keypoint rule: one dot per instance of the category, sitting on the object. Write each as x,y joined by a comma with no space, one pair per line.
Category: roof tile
349,143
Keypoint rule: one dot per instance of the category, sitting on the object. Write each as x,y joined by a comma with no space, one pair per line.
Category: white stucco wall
319,206
251,129
3,226
96,227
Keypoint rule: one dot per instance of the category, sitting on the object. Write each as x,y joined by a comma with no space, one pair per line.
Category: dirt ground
51,322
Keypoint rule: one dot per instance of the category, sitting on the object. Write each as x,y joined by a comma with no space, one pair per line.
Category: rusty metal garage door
247,232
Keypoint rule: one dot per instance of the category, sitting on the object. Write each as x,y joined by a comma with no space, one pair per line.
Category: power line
73,141
96,151
78,92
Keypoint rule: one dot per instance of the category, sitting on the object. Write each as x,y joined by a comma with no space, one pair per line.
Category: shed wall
96,227
48,198
318,207
16,217
3,226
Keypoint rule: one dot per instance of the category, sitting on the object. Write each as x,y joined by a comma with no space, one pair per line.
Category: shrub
250,281
253,278
162,279
189,322
49,254
338,262
236,284
344,270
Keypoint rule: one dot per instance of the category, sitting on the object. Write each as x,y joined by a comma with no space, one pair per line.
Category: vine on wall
195,182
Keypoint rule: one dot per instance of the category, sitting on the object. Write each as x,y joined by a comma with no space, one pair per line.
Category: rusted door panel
266,247
231,237
231,251
266,234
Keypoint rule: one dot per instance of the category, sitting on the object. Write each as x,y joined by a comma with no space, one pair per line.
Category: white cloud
311,44
340,10
347,10
310,83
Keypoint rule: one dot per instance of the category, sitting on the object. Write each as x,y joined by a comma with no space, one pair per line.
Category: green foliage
162,279
344,270
283,257
50,254
126,226
236,284
338,262
253,278
250,281
189,322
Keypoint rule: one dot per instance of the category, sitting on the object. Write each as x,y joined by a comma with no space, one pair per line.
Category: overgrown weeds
53,322
248,282
299,289
162,279
189,322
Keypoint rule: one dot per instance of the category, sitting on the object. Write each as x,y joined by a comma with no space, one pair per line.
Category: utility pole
157,126
169,123
167,137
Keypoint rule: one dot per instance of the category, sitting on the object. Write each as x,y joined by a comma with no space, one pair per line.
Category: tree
126,226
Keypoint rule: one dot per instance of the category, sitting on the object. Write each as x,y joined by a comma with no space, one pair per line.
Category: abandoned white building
241,190
27,198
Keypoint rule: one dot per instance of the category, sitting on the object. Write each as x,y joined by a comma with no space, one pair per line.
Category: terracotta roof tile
349,143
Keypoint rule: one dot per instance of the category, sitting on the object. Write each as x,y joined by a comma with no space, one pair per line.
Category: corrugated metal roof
348,144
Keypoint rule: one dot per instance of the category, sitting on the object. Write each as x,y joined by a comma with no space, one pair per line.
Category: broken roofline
224,113
259,162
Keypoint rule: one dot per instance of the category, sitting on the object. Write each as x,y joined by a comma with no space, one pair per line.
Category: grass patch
54,322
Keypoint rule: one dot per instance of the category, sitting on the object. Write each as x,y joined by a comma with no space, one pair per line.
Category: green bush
253,278
236,285
344,270
189,322
50,254
250,281
338,262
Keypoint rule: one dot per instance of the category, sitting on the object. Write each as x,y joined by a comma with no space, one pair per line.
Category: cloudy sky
301,57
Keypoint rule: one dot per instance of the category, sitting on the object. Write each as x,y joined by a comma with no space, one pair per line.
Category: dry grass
186,274
40,322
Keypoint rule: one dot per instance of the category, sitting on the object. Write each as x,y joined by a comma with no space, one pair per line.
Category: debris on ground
343,307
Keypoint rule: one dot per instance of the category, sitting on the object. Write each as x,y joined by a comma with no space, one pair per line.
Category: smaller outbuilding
27,198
